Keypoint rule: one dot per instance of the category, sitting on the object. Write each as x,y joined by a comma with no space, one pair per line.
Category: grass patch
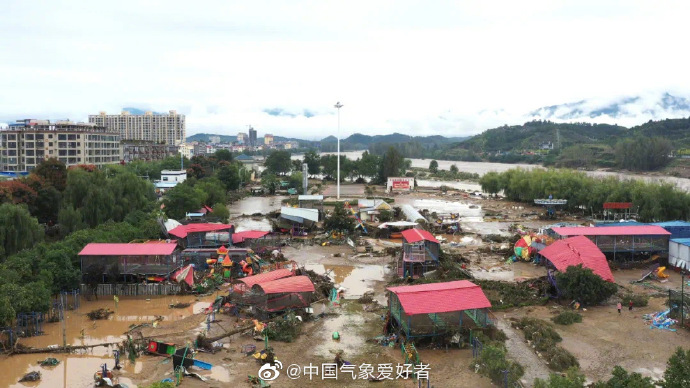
504,295
492,362
567,318
544,338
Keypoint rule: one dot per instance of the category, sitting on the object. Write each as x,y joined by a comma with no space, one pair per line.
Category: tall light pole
338,105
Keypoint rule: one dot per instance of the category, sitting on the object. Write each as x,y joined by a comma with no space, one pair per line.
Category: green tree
622,379
269,182
181,199
572,379
295,181
329,165
278,162
339,220
220,211
196,171
98,206
369,164
433,166
491,182
18,230
223,155
677,374
585,286
7,313
70,220
230,176
313,161
392,165
385,215
47,204
454,169
210,191
53,172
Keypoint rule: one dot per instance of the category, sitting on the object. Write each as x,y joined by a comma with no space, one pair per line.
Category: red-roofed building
622,243
244,284
282,294
437,308
240,237
108,260
419,254
575,251
203,235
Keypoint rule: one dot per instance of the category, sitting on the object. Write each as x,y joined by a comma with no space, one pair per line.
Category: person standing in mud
619,306
630,306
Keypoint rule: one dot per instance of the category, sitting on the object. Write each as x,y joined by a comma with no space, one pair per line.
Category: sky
452,68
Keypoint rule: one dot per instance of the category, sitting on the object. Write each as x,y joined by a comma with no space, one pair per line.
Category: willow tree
18,230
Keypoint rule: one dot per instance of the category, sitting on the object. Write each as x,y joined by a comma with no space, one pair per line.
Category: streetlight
338,105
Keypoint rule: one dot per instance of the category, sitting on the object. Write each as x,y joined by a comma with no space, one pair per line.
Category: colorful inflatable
523,248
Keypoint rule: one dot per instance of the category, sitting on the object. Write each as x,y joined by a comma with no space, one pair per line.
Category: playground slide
660,273
202,365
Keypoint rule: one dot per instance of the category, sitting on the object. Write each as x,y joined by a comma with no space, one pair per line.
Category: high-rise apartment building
26,143
252,137
159,128
242,138
214,139
268,139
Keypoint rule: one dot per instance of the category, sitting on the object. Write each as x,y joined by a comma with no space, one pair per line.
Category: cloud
446,67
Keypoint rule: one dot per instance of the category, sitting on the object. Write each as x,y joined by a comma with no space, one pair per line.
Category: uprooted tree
585,286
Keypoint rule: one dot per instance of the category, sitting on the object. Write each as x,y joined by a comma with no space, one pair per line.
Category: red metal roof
182,230
637,230
291,284
106,249
578,250
414,235
239,237
440,297
266,277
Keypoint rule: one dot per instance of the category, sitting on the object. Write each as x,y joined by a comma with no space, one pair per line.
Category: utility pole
338,105
64,319
682,299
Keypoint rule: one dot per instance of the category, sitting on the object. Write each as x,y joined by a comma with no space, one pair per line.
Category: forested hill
359,141
533,134
676,130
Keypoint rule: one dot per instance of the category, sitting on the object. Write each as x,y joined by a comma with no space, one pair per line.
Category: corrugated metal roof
239,237
308,214
182,230
440,297
249,281
415,235
682,241
634,230
672,223
291,284
578,250
310,198
146,249
411,213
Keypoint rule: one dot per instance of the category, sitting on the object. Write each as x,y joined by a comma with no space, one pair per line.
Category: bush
583,285
572,379
639,300
285,329
621,378
677,374
493,362
540,332
567,318
560,359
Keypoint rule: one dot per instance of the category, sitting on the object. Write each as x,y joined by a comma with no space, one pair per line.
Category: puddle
73,371
351,342
218,373
356,280
244,223
466,213
253,205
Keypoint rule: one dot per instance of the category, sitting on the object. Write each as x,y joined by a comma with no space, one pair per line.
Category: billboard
402,183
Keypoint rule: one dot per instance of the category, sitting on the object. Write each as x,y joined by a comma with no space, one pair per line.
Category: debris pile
179,305
284,329
660,320
31,376
322,283
99,314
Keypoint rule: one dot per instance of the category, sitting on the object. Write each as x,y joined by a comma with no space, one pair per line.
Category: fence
132,289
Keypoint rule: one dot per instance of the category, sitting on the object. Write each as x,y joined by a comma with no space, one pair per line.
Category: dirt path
519,351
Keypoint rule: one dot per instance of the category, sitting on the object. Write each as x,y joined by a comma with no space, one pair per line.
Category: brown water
348,326
76,370
355,279
253,205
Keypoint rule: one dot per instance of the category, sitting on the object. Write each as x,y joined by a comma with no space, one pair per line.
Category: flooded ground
254,205
254,223
76,370
355,279
458,185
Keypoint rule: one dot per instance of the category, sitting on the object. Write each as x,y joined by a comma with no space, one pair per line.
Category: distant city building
200,149
268,139
214,139
26,143
159,128
187,150
146,150
242,138
252,137
288,145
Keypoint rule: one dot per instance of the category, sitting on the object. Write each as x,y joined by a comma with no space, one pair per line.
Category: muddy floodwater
246,223
253,205
76,370
355,279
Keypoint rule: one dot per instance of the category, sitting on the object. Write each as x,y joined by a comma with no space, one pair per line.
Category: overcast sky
417,67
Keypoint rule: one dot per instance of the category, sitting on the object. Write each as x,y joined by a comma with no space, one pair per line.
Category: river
482,168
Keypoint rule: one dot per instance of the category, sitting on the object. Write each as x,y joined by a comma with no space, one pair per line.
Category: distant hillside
359,141
137,111
677,130
205,137
531,135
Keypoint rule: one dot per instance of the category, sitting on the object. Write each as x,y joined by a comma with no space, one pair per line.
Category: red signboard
618,205
401,185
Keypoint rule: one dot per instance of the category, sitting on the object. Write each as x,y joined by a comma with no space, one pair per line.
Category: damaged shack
276,296
127,262
428,310
203,235
420,253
